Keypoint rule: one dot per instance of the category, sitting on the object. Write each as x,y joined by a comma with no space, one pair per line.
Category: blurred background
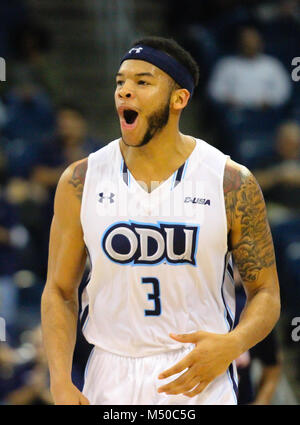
57,106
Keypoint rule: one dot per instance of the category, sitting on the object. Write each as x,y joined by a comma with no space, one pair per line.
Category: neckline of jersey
169,181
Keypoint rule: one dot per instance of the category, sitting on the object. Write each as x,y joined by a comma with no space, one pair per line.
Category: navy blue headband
165,62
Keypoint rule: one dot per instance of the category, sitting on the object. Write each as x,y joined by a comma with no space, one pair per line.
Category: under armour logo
136,50
110,197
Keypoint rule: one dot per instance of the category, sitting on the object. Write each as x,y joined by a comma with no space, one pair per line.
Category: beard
156,122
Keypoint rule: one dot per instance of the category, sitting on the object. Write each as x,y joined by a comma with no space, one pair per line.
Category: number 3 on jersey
154,296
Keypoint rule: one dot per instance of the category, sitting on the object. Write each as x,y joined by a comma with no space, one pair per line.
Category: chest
127,225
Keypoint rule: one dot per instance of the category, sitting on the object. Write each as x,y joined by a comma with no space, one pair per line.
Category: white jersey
159,259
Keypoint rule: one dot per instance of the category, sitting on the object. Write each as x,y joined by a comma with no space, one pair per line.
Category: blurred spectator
8,364
34,64
21,225
29,382
30,115
29,201
279,175
248,94
267,353
3,159
3,173
13,236
3,114
208,30
250,79
32,89
279,178
280,24
70,143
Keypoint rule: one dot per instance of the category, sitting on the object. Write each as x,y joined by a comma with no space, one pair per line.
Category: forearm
255,324
59,324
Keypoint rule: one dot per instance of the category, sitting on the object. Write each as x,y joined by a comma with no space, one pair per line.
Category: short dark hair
172,48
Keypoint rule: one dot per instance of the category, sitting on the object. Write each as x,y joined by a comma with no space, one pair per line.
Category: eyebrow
140,74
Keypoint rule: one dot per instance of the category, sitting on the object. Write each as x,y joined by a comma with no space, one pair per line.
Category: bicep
67,254
251,239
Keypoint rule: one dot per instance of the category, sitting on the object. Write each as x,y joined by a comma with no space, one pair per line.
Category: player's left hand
211,357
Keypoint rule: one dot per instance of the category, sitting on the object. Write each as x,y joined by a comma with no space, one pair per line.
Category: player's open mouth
129,118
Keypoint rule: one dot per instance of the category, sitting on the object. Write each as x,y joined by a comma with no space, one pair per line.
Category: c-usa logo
148,244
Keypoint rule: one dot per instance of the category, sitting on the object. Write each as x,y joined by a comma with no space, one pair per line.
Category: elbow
275,307
54,293
278,310
271,303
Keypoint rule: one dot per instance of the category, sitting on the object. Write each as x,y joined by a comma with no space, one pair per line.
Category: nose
126,92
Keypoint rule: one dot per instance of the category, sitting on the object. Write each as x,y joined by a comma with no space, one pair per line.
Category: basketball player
159,214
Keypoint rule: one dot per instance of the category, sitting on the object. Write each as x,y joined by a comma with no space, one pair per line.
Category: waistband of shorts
183,349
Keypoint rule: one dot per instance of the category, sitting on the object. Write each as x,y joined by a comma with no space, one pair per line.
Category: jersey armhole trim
223,199
84,193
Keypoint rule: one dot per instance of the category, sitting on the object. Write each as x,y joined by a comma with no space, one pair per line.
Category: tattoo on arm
246,215
233,179
78,178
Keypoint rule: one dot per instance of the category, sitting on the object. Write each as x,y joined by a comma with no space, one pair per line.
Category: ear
179,100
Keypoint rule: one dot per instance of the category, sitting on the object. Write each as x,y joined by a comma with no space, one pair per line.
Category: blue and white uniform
159,265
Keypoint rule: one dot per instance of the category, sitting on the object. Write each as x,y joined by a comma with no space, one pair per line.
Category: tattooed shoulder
78,177
251,239
235,177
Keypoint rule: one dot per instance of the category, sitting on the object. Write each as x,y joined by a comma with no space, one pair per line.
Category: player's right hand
68,394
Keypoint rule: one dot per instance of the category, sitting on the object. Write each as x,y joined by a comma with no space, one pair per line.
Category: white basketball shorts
111,379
